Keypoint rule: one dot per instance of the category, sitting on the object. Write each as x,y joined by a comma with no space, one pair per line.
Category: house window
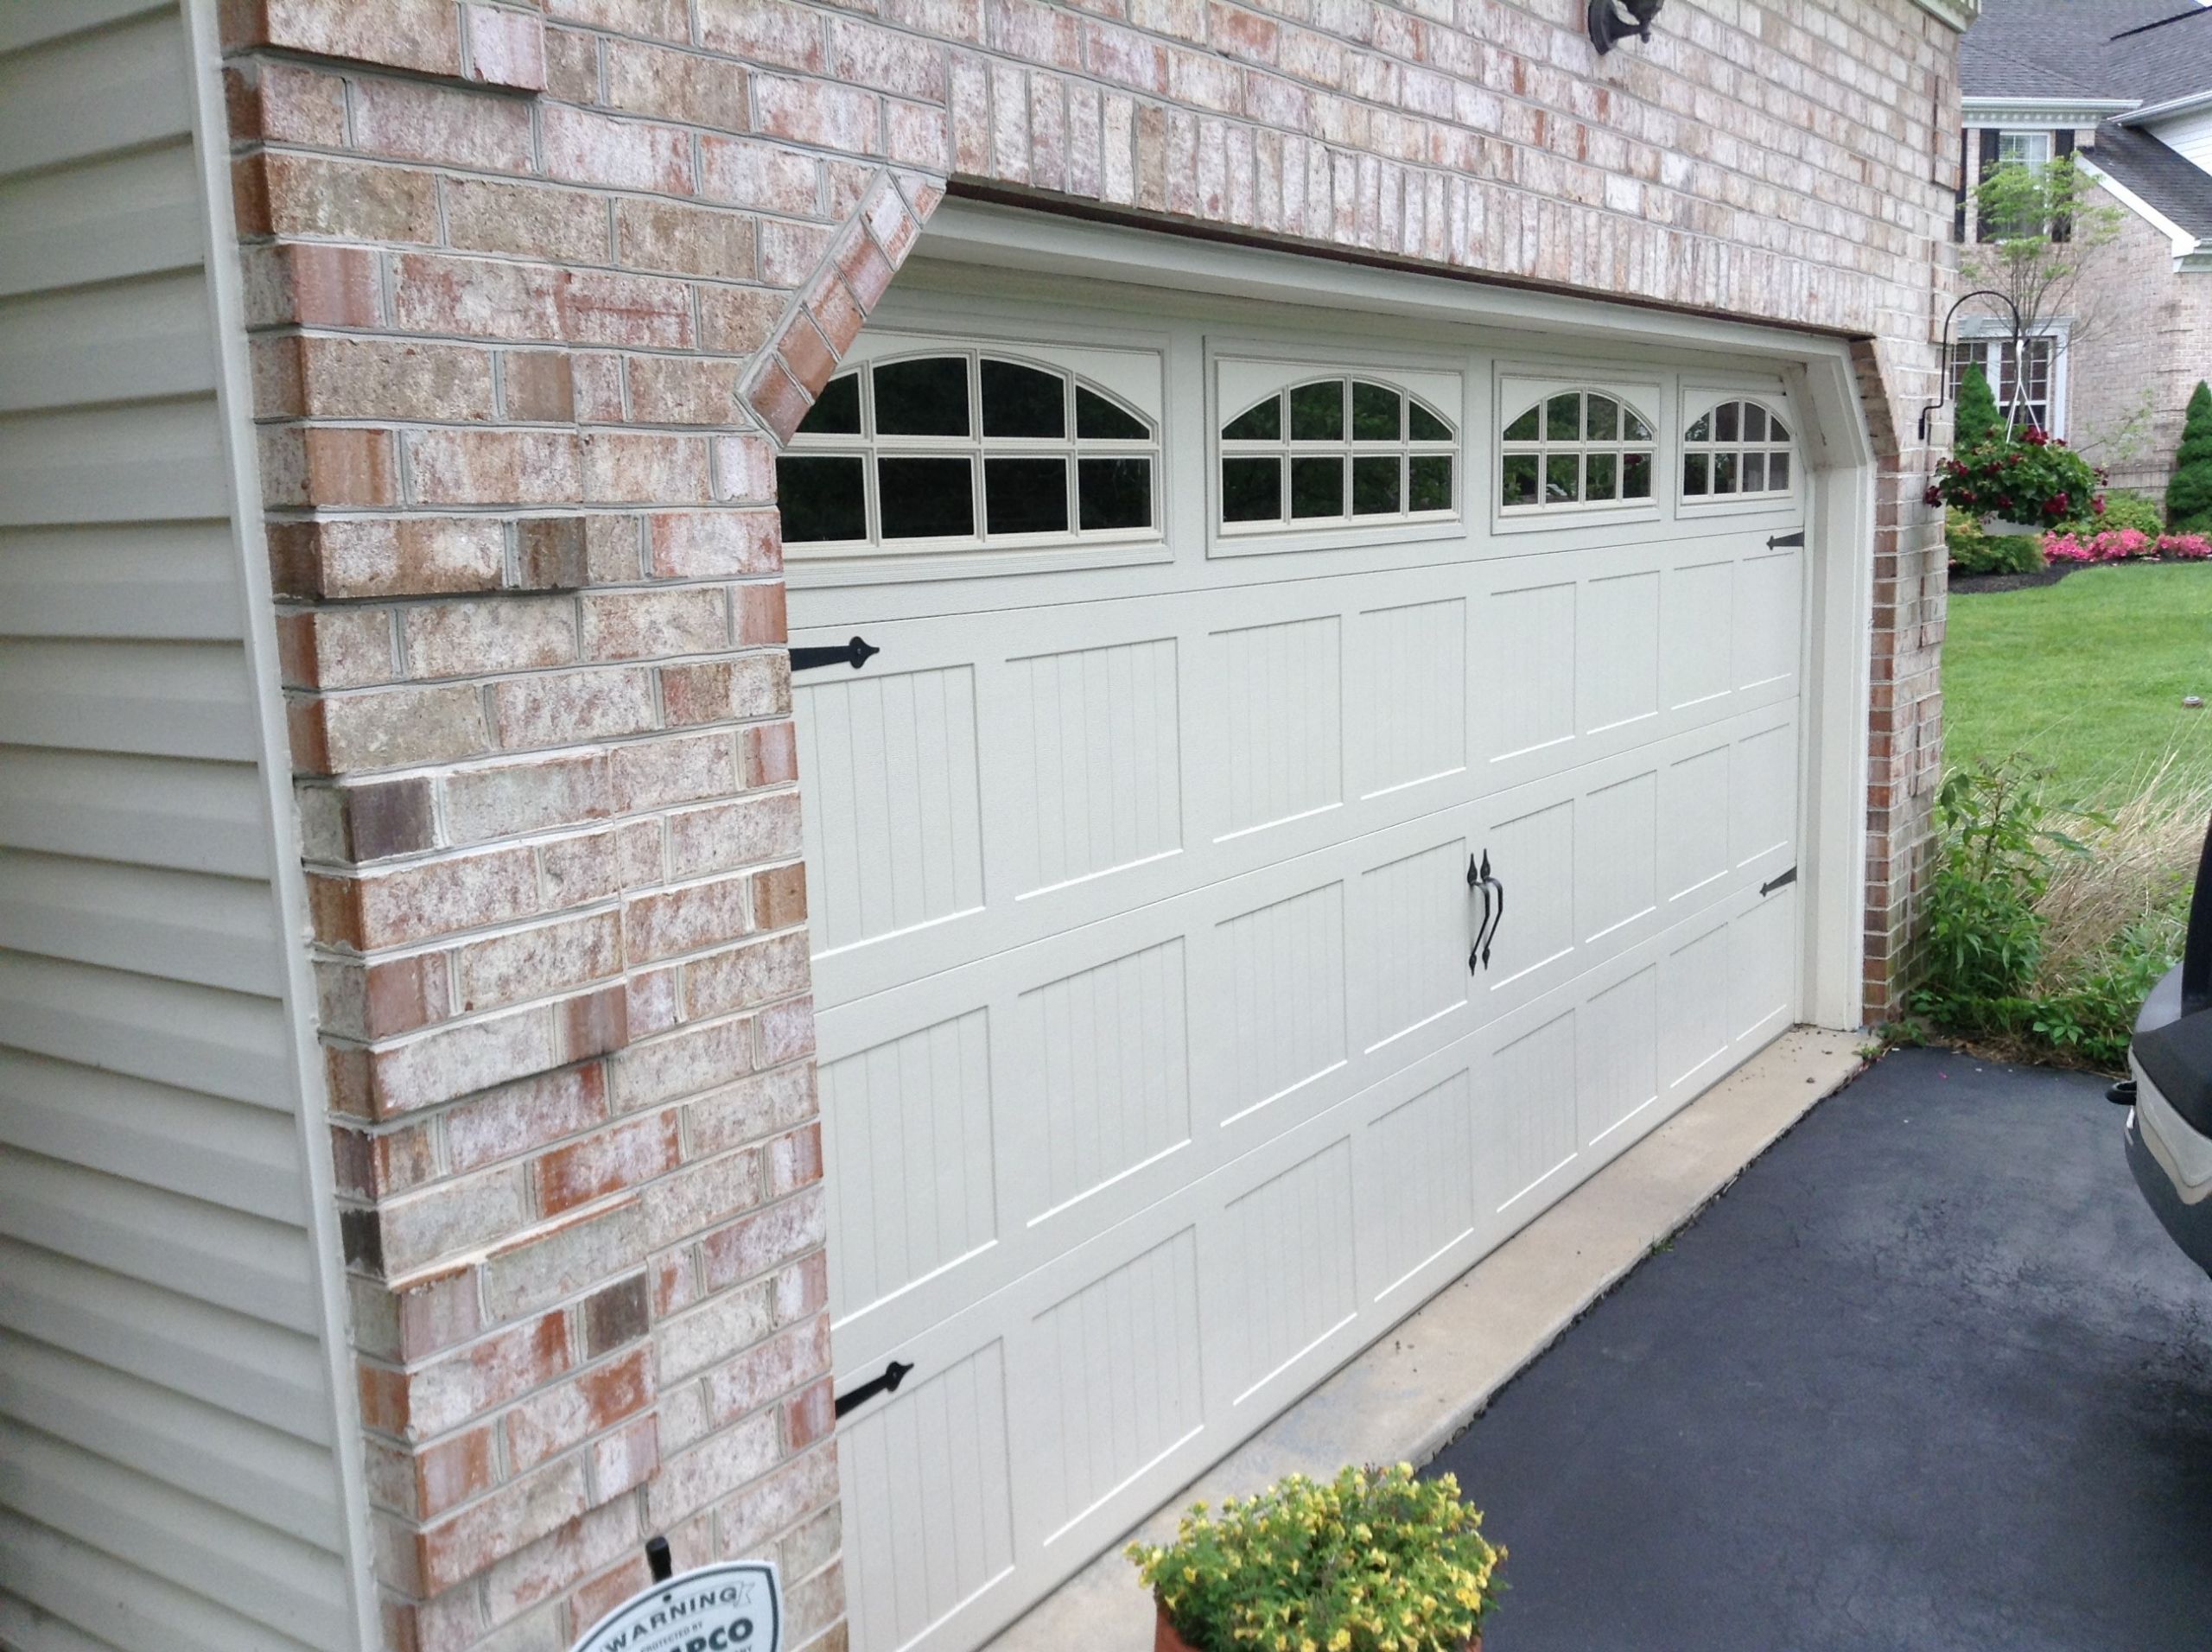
926,452
1737,449
2023,148
2035,404
1336,450
1576,448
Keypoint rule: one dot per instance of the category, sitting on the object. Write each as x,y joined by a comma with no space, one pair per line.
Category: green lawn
2085,678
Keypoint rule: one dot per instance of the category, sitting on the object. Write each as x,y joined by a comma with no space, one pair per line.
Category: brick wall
2152,342
532,293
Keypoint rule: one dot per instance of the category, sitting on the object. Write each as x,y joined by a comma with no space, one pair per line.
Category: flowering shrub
2032,478
1373,1560
2125,544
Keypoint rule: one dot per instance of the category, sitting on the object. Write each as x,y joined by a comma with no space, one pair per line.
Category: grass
2085,678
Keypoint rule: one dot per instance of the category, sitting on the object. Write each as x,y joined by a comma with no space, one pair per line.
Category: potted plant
2019,484
1374,1561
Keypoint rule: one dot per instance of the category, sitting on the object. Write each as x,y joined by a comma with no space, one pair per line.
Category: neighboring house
2125,86
1407,646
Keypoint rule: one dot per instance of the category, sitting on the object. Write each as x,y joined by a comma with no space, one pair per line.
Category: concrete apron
1405,1397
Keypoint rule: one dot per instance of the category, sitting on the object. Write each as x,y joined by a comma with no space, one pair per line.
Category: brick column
532,631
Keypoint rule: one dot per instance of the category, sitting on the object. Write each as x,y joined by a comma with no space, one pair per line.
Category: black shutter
1988,166
1959,198
2061,143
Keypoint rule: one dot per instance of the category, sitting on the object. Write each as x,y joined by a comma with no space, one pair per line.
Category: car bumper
2172,1162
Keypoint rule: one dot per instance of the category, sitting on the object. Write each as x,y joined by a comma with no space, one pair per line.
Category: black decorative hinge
1779,881
1780,542
857,653
1480,877
893,1375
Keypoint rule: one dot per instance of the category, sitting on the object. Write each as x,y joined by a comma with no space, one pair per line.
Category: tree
2189,496
2043,234
1978,419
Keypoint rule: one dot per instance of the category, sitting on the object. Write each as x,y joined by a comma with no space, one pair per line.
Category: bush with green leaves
2122,510
2189,496
1977,419
1983,937
1375,1561
2091,1016
2035,479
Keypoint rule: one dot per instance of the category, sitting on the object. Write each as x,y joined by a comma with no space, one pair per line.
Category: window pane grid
1735,449
1335,450
1576,449
1009,463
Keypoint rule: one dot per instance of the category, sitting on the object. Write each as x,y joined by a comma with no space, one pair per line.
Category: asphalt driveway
1930,1375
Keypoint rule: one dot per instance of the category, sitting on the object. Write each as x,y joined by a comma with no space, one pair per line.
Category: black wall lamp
1616,20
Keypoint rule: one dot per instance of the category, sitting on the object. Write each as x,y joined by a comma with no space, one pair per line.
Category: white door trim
1836,444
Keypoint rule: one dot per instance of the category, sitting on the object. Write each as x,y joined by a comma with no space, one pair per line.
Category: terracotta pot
1164,1639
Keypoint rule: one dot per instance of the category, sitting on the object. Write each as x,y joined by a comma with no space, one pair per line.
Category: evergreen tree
1978,420
2189,496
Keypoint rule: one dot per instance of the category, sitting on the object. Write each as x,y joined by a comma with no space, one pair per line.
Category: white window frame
1700,401
1131,380
1518,390
1987,343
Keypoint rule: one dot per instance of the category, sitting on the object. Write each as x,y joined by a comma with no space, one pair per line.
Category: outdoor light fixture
1616,19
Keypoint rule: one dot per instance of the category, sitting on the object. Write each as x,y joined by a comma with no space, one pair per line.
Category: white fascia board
2189,253
2041,114
1959,13
2147,115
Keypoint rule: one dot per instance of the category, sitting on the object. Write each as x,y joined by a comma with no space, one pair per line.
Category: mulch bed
1969,584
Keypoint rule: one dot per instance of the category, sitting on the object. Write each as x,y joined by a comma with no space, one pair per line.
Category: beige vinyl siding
170,1471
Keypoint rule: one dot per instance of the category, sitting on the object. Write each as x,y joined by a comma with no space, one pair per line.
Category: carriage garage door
1320,790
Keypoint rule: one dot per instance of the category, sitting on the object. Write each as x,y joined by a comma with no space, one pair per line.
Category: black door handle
893,1375
855,653
1497,918
1479,879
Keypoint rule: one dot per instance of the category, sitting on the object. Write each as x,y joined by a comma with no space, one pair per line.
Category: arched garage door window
969,449
1576,449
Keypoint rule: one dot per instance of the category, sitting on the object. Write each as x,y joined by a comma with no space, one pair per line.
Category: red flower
1935,495
2097,506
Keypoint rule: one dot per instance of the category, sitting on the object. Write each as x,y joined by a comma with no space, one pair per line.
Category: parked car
2169,1125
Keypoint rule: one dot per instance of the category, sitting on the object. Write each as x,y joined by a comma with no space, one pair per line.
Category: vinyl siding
170,1473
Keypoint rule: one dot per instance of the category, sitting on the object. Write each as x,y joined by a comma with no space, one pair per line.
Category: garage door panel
1768,617
1286,1281
909,1123
1409,671
1097,752
927,1487
1697,633
1763,795
1616,651
1110,1049
1694,825
1280,997
1281,705
1617,855
1525,1117
1418,1183
897,815
1617,1054
1764,947
1414,934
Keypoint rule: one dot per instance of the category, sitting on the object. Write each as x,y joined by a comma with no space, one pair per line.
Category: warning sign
737,1606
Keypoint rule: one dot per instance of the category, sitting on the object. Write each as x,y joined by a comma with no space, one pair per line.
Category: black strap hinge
1779,881
855,653
1787,540
893,1375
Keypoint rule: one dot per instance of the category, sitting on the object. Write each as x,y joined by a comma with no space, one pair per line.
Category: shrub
2046,941
2036,479
1372,1560
2189,496
2129,510
1983,939
1997,554
1978,420
1973,552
